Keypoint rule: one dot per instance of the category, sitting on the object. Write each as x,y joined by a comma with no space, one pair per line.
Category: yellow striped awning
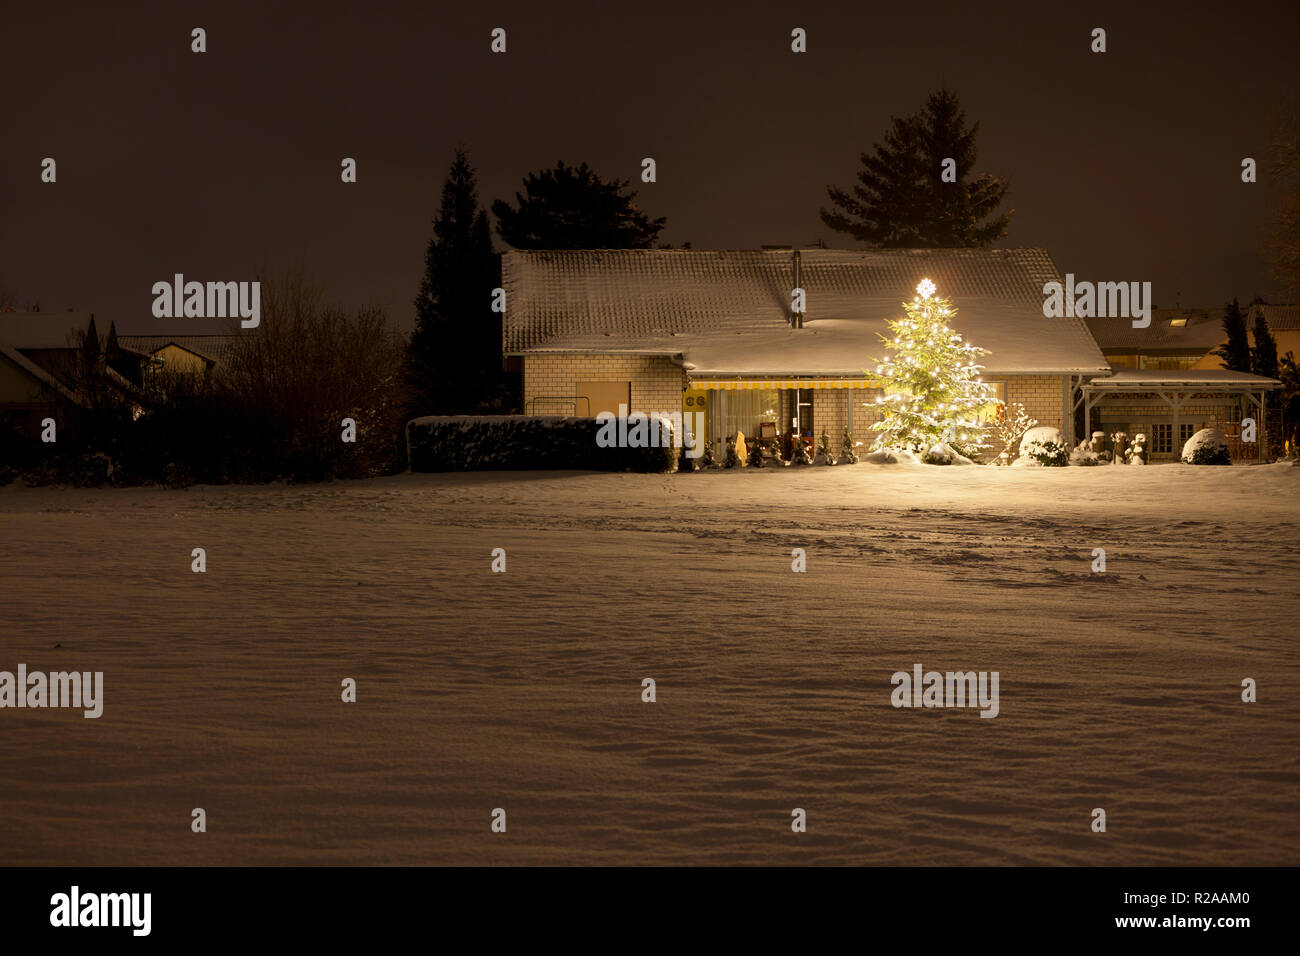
727,384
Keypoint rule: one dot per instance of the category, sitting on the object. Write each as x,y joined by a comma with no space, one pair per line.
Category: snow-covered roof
1201,331
726,312
1129,378
214,347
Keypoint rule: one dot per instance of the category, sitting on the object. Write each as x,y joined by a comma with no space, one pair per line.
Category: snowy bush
1209,446
847,455
892,456
515,442
1050,455
1039,435
799,454
1012,423
824,454
1083,454
733,454
1045,446
941,453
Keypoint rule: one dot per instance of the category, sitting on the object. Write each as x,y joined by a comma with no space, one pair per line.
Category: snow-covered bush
1209,446
847,455
941,453
1045,446
1012,423
891,456
733,454
1083,454
798,453
824,454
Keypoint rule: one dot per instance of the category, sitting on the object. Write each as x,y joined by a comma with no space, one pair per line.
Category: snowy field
522,690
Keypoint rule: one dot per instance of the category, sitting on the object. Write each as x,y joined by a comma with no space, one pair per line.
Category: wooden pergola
1176,388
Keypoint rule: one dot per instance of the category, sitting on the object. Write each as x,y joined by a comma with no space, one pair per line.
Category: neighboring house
41,356
1168,382
182,354
693,330
1187,338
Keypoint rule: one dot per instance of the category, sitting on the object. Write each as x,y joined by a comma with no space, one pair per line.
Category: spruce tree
454,356
1236,351
824,452
933,389
847,455
1263,357
901,199
733,456
572,208
798,452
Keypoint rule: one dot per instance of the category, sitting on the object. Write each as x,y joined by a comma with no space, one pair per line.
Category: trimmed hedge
519,442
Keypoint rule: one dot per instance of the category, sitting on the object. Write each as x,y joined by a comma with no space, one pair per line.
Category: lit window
1177,323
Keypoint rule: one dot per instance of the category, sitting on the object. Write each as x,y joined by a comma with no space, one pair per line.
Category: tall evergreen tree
933,389
901,199
1263,357
1236,351
454,356
572,208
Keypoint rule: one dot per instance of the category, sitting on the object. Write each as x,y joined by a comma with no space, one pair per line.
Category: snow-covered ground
522,690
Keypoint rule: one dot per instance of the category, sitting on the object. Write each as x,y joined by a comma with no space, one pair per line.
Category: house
1168,383
182,354
687,330
1187,338
42,367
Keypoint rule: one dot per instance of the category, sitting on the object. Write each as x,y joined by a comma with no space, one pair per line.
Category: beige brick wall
1042,396
834,408
657,382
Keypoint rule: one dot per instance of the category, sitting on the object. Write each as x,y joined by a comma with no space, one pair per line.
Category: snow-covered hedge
517,442
1209,446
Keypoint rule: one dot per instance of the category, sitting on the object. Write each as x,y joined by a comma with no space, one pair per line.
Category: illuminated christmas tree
933,389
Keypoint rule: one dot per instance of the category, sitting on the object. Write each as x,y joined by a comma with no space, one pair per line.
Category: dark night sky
1126,166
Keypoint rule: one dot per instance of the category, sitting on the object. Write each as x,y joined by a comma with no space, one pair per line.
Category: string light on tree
934,392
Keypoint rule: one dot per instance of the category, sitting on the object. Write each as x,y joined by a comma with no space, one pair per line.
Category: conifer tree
571,207
1263,357
824,450
908,196
847,454
933,389
454,356
1236,351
